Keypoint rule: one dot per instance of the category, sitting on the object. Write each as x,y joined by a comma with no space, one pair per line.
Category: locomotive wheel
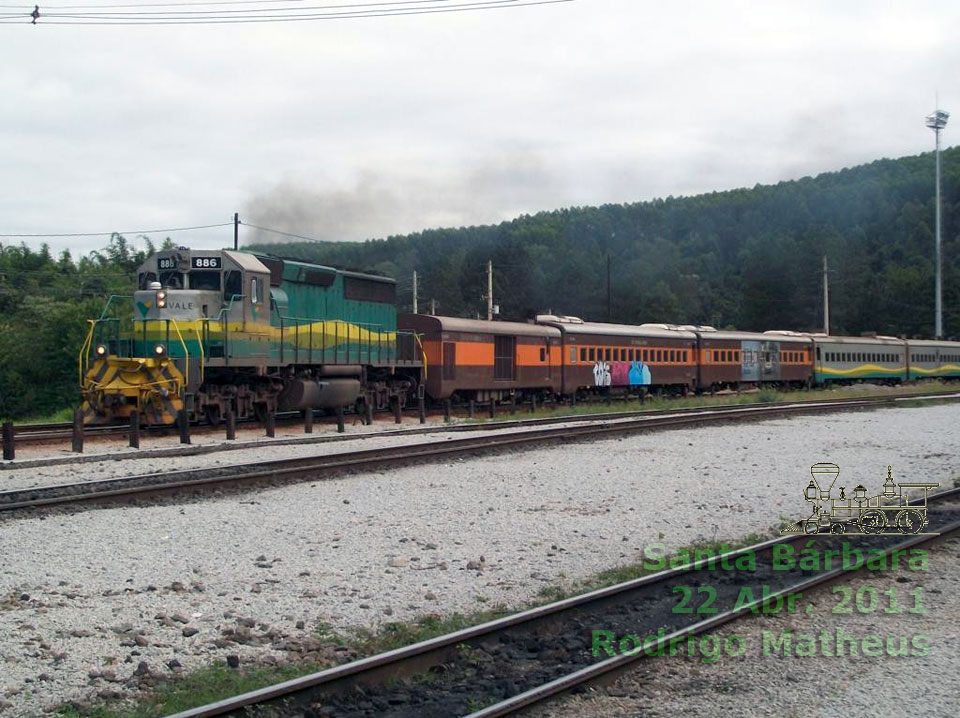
873,521
260,411
811,527
910,521
837,528
212,414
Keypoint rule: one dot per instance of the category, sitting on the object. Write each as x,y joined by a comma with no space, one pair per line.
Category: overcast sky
353,129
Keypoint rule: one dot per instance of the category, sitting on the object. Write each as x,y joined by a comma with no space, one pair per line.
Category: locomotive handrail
103,314
186,352
423,353
371,328
85,350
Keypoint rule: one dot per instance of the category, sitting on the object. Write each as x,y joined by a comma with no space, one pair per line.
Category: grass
197,688
58,417
631,571
763,395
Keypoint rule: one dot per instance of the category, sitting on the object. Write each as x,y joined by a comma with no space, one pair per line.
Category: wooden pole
184,422
77,442
9,452
134,433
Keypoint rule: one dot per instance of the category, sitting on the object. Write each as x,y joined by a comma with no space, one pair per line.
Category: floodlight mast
936,121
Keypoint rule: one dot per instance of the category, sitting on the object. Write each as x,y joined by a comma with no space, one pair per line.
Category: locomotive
891,511
211,331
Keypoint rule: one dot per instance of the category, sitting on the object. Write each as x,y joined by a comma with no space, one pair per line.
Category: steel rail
419,656
40,433
595,672
328,465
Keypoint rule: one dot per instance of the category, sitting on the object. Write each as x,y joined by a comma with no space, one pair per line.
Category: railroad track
504,666
49,433
313,468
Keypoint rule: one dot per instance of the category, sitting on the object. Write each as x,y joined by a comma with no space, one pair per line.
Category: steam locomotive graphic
892,511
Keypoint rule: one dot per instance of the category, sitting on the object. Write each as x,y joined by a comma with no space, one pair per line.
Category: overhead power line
110,234
207,14
285,234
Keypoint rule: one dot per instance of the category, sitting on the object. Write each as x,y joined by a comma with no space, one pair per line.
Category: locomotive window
583,353
171,280
659,355
684,356
543,354
205,280
573,355
607,354
232,285
145,279
593,354
254,290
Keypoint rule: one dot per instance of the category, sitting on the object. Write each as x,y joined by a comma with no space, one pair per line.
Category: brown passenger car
475,359
736,359
623,358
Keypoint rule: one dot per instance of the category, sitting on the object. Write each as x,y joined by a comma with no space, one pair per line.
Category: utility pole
489,290
936,122
414,291
236,231
609,309
826,298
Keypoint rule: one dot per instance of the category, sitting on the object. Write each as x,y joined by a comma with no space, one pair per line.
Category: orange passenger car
481,360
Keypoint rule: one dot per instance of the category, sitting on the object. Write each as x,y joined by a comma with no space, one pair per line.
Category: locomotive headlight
159,350
101,350
161,299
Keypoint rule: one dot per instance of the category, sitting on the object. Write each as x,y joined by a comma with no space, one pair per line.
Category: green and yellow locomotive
215,330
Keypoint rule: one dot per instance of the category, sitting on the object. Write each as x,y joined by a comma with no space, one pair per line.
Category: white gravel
386,546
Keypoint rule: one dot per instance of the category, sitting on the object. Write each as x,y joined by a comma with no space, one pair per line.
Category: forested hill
746,258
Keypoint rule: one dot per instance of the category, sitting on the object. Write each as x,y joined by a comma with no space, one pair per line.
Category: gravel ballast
87,597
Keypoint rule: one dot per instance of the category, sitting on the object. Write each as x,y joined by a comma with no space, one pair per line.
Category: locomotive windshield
205,280
145,279
172,280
